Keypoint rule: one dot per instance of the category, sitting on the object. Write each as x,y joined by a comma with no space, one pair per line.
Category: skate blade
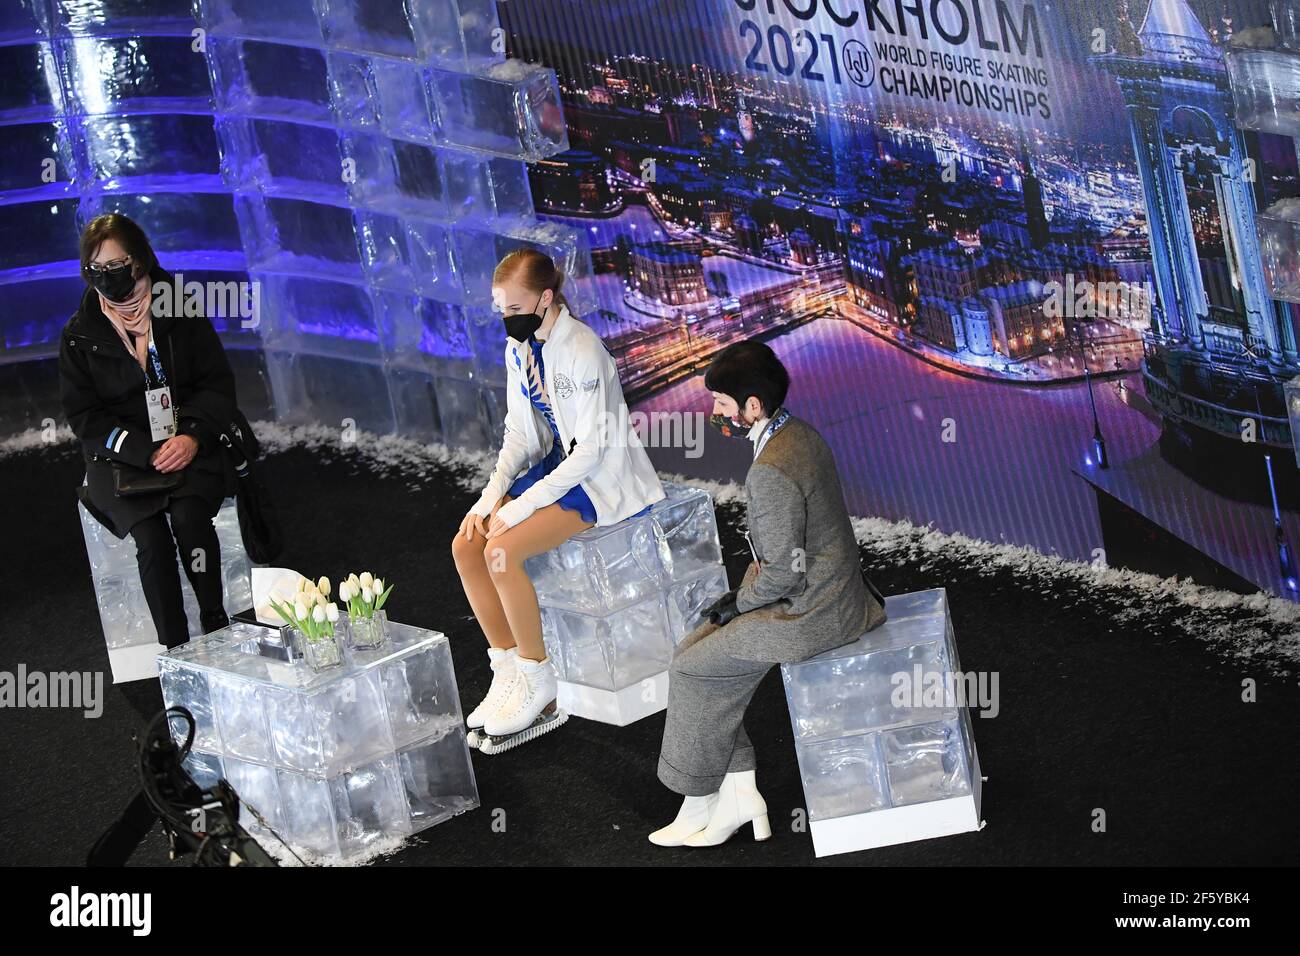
544,724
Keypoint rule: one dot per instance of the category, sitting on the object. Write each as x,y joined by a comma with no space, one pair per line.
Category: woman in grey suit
804,593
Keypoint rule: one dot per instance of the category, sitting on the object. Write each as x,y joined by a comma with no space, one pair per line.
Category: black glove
723,610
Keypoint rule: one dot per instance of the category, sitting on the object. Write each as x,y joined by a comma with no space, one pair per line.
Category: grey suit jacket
808,593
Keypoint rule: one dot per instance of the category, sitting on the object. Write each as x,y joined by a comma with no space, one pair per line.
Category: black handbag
259,524
129,481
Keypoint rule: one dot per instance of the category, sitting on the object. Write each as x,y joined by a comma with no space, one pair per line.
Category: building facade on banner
1218,343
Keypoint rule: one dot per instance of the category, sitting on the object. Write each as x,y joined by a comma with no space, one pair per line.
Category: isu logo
563,385
858,63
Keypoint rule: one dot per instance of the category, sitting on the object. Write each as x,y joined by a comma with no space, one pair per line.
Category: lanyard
159,375
775,425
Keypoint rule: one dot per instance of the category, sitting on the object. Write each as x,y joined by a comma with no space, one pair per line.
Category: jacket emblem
563,385
590,384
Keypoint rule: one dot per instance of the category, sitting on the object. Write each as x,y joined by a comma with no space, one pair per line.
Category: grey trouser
704,734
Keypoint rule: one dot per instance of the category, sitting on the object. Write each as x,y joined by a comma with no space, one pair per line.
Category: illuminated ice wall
361,162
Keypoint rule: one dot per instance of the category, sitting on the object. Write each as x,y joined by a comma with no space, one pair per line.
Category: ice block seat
879,769
343,764
616,600
133,645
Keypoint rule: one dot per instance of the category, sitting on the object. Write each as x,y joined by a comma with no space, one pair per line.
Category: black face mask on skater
522,327
114,284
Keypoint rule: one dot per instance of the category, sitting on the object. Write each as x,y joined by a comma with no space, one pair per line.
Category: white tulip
318,614
354,580
331,612
367,579
378,587
302,584
323,585
367,595
321,600
300,610
345,591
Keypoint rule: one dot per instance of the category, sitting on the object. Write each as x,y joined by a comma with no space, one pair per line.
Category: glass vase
320,654
367,632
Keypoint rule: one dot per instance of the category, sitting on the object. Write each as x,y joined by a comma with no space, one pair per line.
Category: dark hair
749,368
534,270
130,236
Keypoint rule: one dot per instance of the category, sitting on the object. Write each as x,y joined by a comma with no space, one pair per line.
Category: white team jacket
608,459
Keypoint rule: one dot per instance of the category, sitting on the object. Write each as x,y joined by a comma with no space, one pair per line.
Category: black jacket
102,387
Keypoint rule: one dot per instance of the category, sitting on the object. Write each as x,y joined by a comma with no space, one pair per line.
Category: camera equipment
204,822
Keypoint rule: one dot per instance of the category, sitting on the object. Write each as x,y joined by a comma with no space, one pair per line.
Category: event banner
1012,251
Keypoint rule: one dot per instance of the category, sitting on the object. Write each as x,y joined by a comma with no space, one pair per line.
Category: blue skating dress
575,499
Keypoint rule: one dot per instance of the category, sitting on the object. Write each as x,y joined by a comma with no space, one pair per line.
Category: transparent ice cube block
448,32
686,600
258,791
353,90
842,776
1286,21
404,109
605,568
463,413
369,804
342,763
297,236
124,614
204,768
369,26
256,78
347,394
134,73
123,17
331,728
610,651
609,567
437,778
293,20
1266,89
1279,247
510,108
861,748
281,158
925,763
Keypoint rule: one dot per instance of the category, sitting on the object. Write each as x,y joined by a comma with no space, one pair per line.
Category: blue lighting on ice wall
362,161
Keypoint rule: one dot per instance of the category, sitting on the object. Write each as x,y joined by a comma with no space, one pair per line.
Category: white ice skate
528,711
503,675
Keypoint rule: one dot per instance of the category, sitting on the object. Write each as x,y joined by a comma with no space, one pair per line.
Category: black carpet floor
1143,724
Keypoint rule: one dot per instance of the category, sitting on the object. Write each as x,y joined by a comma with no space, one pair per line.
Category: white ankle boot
503,675
739,802
532,692
691,819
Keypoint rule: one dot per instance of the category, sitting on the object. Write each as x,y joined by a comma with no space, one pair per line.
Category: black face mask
522,327
114,284
730,427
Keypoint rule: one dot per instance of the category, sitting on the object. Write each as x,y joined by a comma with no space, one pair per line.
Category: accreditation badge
162,414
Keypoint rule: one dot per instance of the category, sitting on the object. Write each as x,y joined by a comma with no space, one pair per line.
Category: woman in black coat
119,351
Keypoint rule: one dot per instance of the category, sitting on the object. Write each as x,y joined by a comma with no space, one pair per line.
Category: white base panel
617,707
137,662
920,821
